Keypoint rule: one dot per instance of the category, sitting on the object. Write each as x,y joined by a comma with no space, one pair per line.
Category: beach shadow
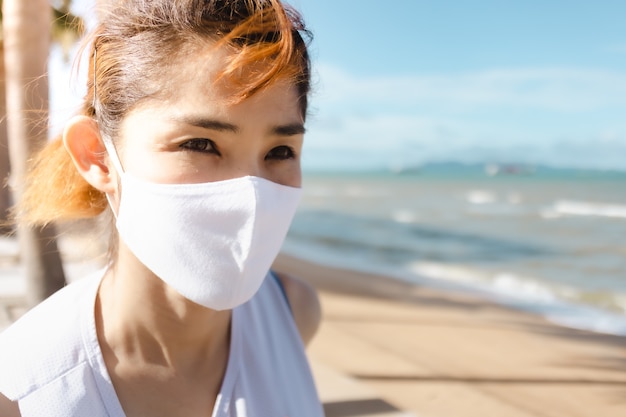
406,321
615,363
581,336
355,408
489,380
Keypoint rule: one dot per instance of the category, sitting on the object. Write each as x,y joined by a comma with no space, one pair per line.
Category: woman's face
196,136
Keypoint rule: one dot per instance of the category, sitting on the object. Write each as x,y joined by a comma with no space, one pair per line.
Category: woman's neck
145,320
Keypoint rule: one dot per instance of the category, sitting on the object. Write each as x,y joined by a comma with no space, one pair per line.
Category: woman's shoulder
46,341
304,303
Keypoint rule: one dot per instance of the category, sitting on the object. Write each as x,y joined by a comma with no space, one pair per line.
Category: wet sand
440,354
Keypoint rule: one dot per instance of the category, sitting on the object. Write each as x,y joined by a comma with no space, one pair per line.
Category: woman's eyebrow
207,123
289,129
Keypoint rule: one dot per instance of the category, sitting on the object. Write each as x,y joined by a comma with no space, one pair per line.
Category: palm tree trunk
5,193
26,30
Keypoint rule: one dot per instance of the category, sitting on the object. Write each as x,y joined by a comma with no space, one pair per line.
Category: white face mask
212,242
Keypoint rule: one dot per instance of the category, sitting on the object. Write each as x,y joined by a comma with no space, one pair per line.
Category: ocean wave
587,209
505,283
563,305
513,284
404,216
403,238
600,311
481,197
490,203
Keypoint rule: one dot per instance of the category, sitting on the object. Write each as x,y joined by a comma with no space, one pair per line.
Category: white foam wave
583,208
447,272
404,216
500,282
480,197
558,304
513,284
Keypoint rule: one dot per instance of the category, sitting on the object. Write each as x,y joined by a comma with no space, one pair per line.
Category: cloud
522,113
553,89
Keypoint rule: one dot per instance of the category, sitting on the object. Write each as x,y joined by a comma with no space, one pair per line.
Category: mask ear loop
110,148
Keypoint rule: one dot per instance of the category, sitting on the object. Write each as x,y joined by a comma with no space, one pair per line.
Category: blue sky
405,82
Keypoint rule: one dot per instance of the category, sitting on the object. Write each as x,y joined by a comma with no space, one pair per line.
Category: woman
191,133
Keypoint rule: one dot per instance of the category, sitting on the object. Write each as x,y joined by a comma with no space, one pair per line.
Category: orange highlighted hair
135,49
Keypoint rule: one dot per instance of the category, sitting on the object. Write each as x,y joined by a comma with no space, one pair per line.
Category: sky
401,83
404,82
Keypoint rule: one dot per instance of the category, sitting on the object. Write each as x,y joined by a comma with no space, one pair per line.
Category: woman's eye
200,145
280,153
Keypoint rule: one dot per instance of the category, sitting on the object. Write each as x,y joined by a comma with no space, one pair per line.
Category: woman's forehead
276,104
200,71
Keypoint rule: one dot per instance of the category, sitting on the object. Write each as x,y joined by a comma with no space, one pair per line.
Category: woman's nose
250,167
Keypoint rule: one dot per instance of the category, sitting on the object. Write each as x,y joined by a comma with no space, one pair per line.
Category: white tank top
51,363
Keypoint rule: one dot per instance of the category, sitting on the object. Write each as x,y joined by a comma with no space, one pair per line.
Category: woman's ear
82,140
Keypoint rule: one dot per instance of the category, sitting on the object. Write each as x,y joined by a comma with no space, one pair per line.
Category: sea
549,241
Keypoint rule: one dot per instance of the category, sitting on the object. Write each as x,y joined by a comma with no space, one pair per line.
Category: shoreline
515,295
345,281
439,353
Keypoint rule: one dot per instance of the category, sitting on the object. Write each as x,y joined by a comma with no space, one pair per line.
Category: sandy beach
439,354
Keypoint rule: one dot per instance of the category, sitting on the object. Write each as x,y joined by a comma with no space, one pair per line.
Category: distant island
506,169
477,170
